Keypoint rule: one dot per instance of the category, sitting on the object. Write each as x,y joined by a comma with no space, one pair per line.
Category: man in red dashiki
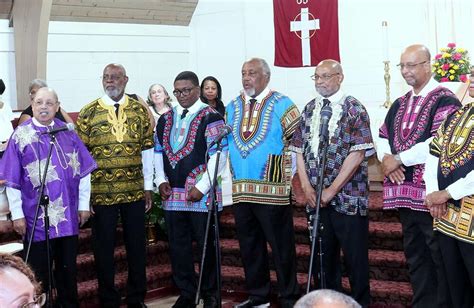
410,123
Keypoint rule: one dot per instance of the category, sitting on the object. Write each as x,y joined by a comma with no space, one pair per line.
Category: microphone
68,126
224,132
326,114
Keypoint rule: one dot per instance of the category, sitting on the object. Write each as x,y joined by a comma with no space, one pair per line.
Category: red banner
306,32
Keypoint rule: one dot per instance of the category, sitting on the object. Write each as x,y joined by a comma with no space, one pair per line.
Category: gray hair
263,64
326,296
36,83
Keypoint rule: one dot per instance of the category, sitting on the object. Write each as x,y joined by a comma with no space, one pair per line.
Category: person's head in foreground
326,299
18,285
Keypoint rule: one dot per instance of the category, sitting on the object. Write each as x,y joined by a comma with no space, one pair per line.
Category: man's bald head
328,77
415,66
332,64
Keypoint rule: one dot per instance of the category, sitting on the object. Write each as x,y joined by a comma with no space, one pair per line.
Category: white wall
78,52
223,33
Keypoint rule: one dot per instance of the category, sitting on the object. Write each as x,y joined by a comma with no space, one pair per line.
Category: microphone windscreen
326,112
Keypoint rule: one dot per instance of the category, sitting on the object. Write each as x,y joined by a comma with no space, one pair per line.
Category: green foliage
156,215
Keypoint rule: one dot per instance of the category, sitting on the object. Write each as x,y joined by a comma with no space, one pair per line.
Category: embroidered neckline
118,123
190,138
261,115
458,143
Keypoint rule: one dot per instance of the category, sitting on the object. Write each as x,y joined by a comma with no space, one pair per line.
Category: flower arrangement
451,64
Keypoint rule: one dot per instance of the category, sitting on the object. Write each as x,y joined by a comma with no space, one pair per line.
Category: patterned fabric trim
458,141
119,123
258,192
393,197
290,121
458,222
174,158
364,146
405,139
245,146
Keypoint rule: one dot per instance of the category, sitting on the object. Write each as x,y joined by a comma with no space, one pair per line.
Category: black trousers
427,275
351,234
104,226
63,252
256,225
458,261
184,228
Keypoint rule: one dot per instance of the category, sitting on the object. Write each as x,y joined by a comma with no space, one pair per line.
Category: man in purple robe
67,184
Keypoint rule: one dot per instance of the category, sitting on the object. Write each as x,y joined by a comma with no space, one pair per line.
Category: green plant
156,215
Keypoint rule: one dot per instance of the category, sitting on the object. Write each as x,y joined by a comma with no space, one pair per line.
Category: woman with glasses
18,287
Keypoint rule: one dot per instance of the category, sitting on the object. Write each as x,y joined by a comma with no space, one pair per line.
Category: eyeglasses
39,301
410,66
48,103
111,77
184,92
323,77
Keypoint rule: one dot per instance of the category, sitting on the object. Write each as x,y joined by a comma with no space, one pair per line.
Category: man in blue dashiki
184,164
67,185
263,122
344,199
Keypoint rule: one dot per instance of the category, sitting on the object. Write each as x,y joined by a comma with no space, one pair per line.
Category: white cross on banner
306,32
304,26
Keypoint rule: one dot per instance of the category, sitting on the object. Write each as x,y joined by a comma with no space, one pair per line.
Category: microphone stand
314,218
43,200
212,211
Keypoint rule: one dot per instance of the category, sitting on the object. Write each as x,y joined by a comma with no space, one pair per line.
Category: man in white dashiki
184,163
116,129
402,148
449,179
67,185
344,199
263,122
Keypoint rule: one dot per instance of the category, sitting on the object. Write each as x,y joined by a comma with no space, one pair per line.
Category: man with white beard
263,122
116,129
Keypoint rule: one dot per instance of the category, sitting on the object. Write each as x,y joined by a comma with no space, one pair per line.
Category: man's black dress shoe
184,302
253,303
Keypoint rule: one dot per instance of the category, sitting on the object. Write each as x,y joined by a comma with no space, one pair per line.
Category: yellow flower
446,55
452,71
461,50
451,65
436,64
439,71
456,67
443,49
451,77
443,73
461,61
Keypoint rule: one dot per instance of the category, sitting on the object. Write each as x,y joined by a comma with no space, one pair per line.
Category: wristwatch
397,158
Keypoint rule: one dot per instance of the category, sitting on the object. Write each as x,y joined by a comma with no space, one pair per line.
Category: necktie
252,103
326,102
251,106
117,106
183,114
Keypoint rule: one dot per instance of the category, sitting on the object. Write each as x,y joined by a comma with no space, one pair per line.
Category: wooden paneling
5,8
163,12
